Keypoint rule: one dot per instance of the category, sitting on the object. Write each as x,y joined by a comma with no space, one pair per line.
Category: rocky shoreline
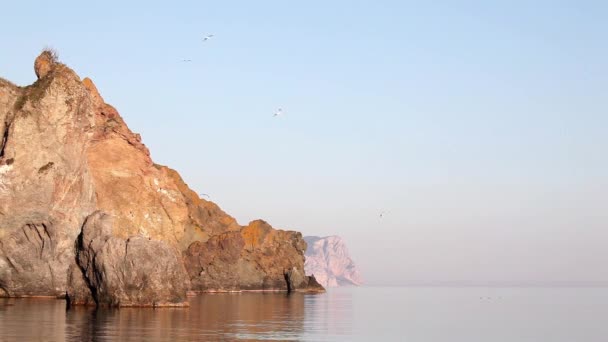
85,214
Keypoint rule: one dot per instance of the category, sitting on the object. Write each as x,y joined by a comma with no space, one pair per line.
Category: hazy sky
480,126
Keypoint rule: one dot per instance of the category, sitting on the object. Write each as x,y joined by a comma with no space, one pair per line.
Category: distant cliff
327,258
85,212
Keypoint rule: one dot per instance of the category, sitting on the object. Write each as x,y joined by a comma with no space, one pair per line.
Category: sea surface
343,314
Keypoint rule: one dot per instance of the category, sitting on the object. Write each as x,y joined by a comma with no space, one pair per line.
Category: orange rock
44,63
254,233
92,89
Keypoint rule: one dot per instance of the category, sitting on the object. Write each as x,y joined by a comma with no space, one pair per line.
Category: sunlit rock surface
65,154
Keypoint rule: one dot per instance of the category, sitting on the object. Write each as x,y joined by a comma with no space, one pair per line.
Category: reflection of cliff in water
250,315
32,319
225,316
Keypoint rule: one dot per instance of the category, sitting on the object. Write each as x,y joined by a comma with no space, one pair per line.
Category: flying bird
207,37
278,112
186,60
204,195
382,214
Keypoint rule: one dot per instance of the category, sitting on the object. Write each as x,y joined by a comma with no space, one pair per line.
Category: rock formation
67,158
153,269
45,62
235,261
327,258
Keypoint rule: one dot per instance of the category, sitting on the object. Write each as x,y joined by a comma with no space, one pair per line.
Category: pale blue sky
480,126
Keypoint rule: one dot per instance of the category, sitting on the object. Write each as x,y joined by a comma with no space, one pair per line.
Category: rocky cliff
328,259
85,210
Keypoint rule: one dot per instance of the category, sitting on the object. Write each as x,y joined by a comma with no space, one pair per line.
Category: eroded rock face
257,257
66,154
327,258
213,265
132,272
78,291
267,255
46,189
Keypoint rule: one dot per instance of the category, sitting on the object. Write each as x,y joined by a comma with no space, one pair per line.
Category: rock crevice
132,272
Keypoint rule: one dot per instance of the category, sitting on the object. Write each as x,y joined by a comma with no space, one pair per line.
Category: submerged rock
66,155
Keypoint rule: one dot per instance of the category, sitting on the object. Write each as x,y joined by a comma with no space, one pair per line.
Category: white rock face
328,260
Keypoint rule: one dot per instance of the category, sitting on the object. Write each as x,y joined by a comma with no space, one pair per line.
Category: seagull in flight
279,112
186,60
382,214
207,37
204,195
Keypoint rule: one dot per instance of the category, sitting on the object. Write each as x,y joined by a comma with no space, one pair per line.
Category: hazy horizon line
493,284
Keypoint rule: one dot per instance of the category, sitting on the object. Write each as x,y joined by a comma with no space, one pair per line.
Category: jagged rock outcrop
44,63
239,260
66,154
213,264
298,282
133,272
327,258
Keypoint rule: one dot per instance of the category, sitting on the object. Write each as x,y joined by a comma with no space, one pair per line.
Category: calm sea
345,314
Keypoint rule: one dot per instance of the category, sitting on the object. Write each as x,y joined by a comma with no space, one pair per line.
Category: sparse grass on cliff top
33,92
51,54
